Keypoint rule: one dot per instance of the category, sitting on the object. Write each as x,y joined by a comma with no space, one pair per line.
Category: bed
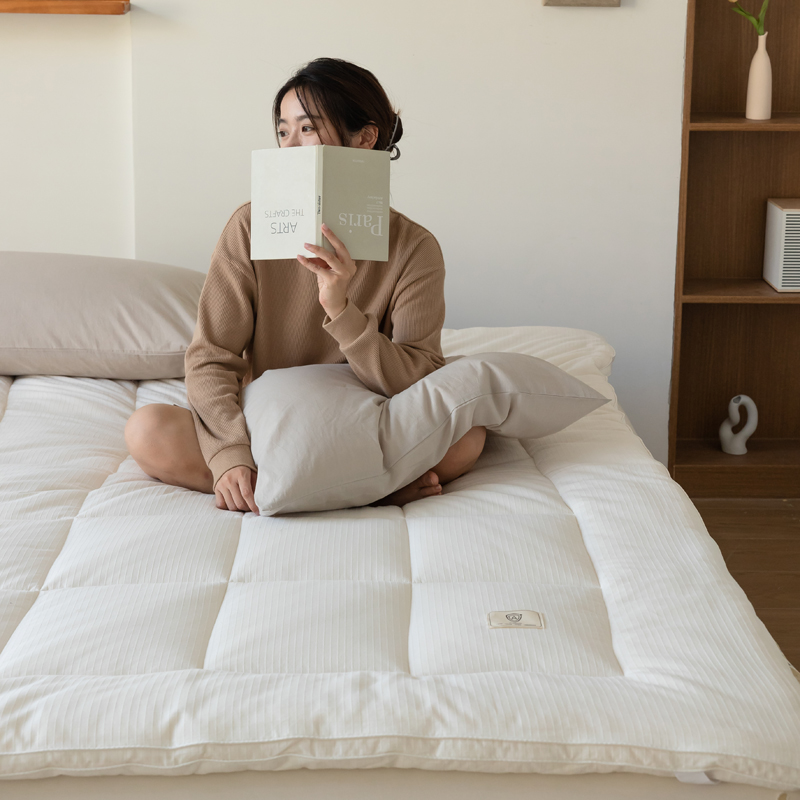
152,642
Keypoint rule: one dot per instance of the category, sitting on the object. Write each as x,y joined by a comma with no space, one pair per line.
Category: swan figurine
734,443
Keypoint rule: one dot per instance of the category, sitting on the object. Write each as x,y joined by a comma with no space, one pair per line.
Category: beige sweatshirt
259,315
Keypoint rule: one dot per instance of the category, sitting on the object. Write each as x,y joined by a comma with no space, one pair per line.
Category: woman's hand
234,490
334,272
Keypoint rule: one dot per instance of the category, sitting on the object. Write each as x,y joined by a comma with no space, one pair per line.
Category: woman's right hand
234,490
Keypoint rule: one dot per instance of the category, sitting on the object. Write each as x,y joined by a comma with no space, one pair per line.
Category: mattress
143,631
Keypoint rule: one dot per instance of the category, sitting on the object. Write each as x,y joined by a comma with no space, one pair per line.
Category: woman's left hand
334,272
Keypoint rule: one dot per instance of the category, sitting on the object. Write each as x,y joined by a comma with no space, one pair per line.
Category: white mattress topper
145,631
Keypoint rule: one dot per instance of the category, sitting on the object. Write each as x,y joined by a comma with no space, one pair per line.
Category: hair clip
391,146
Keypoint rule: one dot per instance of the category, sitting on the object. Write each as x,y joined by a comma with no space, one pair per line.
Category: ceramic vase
759,84
734,443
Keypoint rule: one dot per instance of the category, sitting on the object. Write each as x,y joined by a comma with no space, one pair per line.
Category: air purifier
782,245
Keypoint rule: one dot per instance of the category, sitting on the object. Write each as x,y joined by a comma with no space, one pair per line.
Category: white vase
759,84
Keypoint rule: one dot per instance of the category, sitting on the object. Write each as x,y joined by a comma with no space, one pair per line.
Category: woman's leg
163,442
457,461
462,456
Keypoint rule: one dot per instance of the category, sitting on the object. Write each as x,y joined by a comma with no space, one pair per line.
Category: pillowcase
90,316
322,440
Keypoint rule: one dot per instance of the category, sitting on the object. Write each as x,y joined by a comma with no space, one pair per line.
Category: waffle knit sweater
259,315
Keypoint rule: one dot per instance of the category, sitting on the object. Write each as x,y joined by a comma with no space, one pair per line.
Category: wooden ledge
64,6
730,121
736,290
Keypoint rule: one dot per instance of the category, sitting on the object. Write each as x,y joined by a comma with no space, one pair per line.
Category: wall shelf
769,465
64,6
730,121
731,290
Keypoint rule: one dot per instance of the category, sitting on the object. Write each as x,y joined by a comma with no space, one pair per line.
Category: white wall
541,147
66,157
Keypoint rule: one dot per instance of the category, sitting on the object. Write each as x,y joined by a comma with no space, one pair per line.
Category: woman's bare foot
424,486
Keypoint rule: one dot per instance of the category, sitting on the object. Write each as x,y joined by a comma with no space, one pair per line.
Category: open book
295,189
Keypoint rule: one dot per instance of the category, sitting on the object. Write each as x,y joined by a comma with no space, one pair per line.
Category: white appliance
782,246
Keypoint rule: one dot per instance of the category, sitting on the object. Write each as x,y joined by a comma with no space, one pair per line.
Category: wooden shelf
734,334
732,121
760,453
727,290
64,6
770,468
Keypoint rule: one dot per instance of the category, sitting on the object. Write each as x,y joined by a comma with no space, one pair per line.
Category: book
295,189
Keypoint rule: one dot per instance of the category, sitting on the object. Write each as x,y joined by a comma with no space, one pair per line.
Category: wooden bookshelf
734,333
64,6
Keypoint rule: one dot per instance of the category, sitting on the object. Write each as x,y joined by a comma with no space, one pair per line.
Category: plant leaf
746,15
762,14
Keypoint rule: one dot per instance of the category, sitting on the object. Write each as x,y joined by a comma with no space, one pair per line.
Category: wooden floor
760,541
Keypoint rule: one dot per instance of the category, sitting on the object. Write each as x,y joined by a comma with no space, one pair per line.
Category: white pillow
322,440
579,352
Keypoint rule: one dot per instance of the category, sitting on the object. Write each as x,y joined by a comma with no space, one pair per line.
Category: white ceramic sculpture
734,443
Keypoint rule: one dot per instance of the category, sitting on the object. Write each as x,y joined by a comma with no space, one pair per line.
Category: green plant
758,22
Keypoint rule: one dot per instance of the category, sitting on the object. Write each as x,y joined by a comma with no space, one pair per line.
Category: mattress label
516,619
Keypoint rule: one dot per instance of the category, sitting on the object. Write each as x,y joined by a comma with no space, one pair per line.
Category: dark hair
349,96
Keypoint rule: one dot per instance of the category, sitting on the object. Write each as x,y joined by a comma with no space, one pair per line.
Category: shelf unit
734,334
64,6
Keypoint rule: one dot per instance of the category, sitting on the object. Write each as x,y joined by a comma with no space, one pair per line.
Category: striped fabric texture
143,631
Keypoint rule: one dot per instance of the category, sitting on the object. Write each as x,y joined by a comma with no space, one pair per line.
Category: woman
384,319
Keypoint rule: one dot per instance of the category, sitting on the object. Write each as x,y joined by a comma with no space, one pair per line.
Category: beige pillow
95,317
322,440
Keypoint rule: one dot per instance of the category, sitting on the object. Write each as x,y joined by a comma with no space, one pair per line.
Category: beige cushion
91,316
322,440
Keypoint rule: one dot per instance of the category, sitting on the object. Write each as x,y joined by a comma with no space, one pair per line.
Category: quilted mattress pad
144,631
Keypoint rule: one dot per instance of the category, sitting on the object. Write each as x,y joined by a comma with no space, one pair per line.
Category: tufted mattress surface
144,631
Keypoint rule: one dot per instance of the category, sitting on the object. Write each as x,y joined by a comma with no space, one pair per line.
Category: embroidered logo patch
516,619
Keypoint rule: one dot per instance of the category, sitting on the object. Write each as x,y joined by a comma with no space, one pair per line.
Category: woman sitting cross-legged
384,319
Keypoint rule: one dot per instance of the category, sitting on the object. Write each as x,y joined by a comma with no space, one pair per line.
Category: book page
283,202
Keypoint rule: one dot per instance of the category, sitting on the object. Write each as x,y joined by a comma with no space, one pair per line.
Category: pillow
322,440
90,316
578,352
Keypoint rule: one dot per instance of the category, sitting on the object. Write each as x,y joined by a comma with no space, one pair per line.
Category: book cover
295,189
